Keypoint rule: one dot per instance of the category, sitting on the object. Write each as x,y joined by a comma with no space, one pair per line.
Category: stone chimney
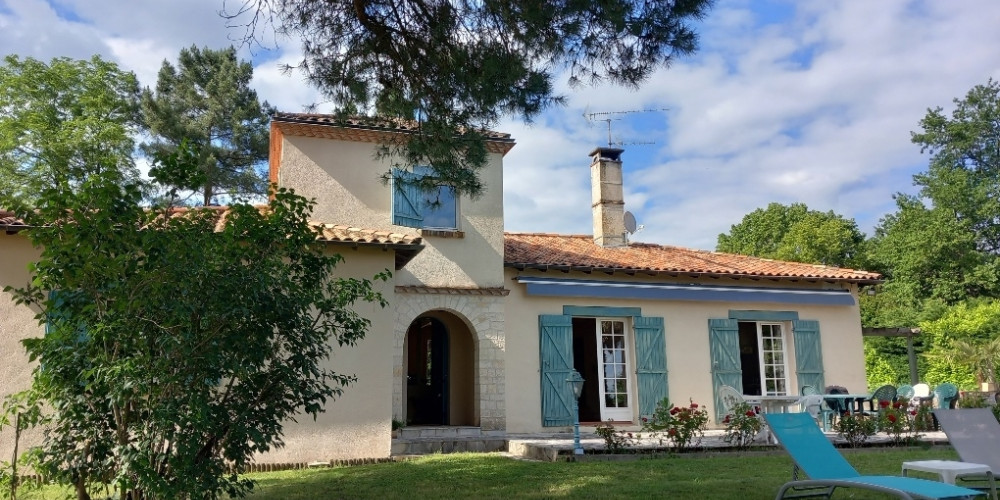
608,200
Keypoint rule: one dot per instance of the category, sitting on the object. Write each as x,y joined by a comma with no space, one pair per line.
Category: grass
476,475
716,476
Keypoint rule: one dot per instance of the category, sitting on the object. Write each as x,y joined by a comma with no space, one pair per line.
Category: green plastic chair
904,392
945,395
884,393
827,469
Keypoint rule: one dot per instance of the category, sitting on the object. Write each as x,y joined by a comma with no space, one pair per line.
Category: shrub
742,425
616,441
897,420
682,426
972,400
856,428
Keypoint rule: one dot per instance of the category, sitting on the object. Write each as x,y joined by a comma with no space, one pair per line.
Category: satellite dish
629,222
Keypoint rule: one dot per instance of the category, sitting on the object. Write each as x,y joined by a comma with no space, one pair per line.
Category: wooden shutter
724,348
405,199
808,354
556,334
651,362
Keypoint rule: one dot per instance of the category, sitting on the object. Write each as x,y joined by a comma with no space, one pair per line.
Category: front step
445,439
443,431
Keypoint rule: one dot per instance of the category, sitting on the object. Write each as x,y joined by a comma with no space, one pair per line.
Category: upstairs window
419,207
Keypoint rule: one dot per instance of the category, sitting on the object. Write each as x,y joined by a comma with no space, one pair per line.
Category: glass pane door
772,360
616,399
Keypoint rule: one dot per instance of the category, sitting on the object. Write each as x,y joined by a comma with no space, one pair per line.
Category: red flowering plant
616,441
897,420
742,425
682,426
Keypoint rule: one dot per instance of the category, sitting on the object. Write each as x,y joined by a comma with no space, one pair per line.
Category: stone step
428,445
449,431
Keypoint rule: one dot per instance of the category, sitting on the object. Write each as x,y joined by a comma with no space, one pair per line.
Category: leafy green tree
964,173
207,102
795,233
459,66
63,121
966,344
929,253
175,349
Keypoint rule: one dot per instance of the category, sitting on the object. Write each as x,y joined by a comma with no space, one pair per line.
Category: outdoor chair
974,434
808,390
729,397
904,392
885,393
816,406
945,396
921,394
813,454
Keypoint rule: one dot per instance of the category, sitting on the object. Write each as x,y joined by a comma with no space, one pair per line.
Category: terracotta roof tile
10,222
578,252
365,129
406,245
373,123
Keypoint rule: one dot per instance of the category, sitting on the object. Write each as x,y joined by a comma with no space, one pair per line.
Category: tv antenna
610,116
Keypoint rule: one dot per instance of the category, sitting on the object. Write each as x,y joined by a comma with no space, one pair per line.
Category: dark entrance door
585,362
427,373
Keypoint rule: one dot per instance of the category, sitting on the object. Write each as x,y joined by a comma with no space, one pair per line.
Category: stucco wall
343,177
687,339
358,424
16,323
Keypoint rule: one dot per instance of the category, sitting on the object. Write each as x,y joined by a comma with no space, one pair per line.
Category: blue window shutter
556,333
651,362
724,347
808,353
405,199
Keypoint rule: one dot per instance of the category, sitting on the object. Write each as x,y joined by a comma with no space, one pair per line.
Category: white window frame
783,336
626,413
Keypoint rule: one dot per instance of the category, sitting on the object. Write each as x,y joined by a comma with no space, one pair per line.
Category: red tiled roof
406,245
578,252
370,123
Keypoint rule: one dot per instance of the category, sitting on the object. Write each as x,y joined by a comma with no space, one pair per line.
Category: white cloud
787,101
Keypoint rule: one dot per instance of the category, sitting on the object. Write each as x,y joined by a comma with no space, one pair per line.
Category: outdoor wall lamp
576,383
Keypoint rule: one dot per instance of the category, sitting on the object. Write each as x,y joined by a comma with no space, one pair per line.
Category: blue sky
787,101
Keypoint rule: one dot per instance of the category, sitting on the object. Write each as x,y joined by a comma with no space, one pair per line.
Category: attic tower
608,200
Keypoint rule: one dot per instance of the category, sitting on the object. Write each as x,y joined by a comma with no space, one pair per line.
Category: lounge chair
974,433
827,469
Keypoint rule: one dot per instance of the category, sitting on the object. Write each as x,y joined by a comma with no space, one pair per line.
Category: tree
795,233
964,173
966,345
63,121
175,349
207,102
459,66
930,254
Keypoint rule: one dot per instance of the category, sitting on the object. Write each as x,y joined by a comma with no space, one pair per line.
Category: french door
614,366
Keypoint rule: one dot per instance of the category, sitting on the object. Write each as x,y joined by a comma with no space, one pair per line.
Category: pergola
909,333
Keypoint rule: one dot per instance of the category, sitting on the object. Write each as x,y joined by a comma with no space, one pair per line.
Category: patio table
849,401
949,470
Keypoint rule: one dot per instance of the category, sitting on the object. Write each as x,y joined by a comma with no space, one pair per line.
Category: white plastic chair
921,393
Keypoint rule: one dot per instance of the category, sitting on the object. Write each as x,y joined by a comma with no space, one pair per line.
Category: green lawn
716,476
493,476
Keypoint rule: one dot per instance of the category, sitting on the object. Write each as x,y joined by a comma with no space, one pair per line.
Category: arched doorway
440,371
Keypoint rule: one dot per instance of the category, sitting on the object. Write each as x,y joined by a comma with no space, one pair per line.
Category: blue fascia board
598,311
750,315
595,289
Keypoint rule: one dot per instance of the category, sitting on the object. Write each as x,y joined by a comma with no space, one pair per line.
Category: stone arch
480,317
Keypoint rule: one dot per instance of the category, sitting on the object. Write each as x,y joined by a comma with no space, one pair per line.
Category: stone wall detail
482,311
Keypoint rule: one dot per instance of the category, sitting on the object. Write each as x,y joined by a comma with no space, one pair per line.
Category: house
484,327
